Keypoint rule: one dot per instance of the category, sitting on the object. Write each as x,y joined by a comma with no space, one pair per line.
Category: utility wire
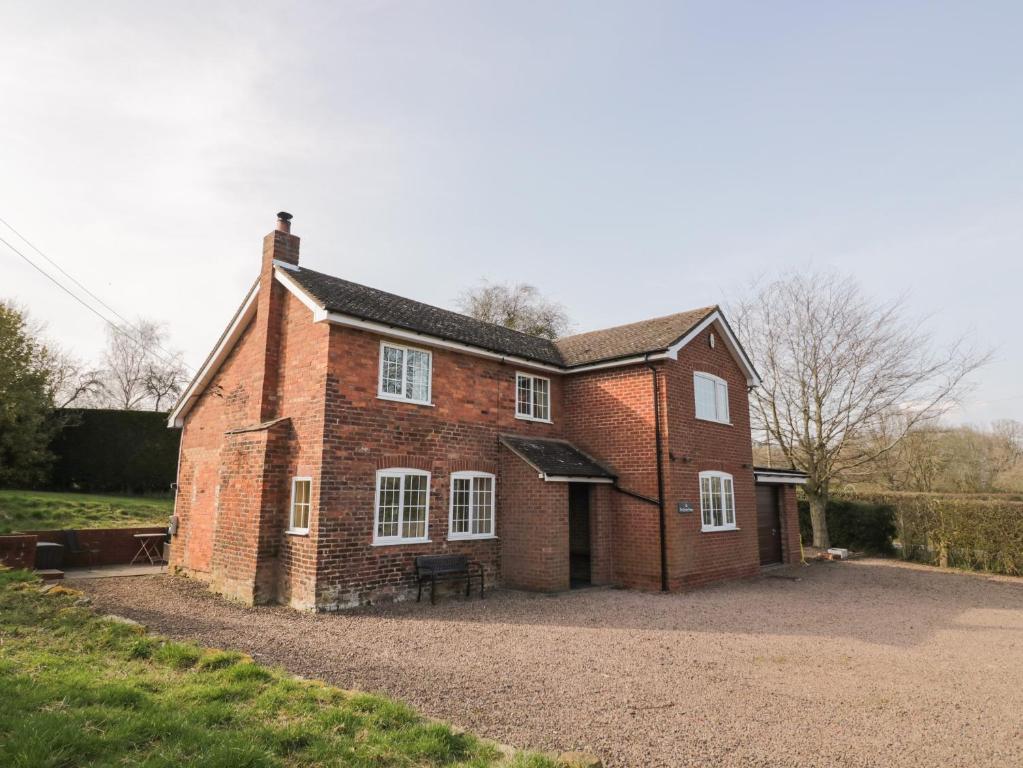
85,304
31,245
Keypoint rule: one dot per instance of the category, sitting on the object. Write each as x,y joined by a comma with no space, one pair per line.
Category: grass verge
42,510
81,690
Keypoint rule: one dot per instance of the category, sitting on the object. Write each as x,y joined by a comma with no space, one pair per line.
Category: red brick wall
694,446
473,403
18,551
533,528
788,511
117,546
610,415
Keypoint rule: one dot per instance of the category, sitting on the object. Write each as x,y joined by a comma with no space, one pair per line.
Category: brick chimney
280,246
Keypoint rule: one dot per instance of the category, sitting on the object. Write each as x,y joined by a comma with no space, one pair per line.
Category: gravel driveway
863,663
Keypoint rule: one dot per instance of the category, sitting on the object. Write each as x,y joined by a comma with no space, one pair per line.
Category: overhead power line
169,357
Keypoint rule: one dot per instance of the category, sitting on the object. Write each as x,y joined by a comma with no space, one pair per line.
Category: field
41,510
83,690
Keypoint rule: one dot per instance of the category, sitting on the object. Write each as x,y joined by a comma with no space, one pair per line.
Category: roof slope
639,338
367,303
558,458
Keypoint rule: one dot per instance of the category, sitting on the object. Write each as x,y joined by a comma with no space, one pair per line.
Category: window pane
722,401
391,371
524,396
301,490
715,498
705,398
483,505
414,507
541,399
417,375
460,505
389,501
729,501
705,499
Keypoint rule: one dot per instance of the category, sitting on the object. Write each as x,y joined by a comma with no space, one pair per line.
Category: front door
768,524
579,534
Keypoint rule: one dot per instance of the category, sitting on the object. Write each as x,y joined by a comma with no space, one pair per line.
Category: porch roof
557,460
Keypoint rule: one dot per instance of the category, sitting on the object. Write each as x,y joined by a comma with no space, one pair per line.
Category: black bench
432,568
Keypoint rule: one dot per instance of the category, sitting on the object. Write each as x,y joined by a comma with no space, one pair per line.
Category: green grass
82,691
41,511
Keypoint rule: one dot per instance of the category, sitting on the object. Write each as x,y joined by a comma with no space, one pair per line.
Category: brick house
337,431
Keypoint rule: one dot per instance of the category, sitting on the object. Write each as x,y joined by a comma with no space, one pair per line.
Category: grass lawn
80,690
41,510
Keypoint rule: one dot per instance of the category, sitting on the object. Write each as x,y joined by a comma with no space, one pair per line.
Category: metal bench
432,568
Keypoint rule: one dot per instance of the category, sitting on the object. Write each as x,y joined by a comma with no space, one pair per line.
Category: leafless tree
137,373
834,364
72,382
520,307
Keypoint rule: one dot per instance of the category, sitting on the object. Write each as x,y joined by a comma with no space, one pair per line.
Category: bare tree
137,373
520,307
834,364
165,380
71,381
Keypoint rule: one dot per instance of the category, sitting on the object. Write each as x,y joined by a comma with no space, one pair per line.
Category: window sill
715,421
401,542
397,399
720,530
297,531
530,418
472,538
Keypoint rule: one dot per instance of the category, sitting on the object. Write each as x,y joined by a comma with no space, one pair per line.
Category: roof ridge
706,310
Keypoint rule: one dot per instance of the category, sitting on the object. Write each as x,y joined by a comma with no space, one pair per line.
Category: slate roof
365,303
337,295
555,457
639,338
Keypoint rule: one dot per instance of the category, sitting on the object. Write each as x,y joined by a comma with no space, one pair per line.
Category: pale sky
629,159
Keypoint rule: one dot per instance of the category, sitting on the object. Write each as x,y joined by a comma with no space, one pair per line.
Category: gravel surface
862,663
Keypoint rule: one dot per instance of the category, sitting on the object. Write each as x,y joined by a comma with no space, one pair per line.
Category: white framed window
711,397
532,397
301,504
717,501
405,373
472,506
402,506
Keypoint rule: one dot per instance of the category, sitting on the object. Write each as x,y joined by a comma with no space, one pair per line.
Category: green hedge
982,532
107,451
861,525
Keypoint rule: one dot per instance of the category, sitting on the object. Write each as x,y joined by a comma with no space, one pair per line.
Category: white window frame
292,528
720,398
472,476
405,349
725,525
519,375
401,472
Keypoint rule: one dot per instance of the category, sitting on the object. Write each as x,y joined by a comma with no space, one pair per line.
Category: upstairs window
717,501
532,397
404,373
402,506
301,503
711,397
472,505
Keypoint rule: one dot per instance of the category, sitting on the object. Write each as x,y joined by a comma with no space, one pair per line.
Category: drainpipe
660,479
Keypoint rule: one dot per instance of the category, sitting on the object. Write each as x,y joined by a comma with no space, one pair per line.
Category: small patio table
149,545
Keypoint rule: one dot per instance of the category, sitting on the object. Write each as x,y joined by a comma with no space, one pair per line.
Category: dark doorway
579,534
768,525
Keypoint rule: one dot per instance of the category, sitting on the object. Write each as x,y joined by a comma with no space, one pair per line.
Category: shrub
862,525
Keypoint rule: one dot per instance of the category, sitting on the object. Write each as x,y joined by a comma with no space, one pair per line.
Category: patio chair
75,547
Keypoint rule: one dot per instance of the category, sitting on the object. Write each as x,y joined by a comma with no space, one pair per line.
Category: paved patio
863,663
